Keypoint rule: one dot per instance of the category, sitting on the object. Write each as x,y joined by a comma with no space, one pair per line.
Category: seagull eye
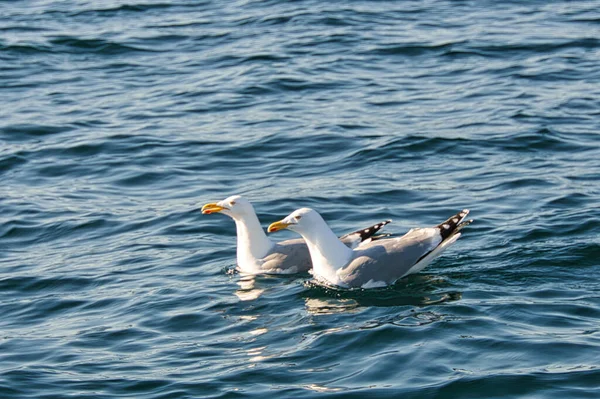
298,217
232,203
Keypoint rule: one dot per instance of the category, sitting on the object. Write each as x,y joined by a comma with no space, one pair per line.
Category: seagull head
235,206
299,221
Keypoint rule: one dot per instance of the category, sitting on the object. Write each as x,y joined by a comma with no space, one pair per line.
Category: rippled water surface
119,119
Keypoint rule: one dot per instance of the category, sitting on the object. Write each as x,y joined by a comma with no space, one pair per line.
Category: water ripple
119,120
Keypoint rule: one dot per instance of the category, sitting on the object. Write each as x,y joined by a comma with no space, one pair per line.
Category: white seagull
257,253
377,263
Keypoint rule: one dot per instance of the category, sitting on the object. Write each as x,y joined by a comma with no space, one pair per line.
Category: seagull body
375,263
257,253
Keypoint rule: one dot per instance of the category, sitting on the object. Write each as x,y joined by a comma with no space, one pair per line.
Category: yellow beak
273,227
211,208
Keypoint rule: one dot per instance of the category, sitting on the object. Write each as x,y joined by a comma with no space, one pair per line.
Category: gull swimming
377,263
257,253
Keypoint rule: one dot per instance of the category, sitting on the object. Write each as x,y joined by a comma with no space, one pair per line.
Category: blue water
119,119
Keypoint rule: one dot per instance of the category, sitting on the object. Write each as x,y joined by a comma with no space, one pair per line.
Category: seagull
376,263
257,253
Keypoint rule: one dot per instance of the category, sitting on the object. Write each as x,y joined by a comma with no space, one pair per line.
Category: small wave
413,50
28,232
28,131
66,44
412,147
30,285
124,9
520,383
10,162
25,49
505,50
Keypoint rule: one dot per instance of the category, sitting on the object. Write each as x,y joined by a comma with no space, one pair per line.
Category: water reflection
416,290
247,290
256,355
322,388
330,305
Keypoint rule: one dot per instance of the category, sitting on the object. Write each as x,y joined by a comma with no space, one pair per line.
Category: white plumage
375,263
257,253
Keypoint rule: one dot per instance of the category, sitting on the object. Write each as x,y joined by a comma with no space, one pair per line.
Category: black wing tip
465,223
454,224
370,231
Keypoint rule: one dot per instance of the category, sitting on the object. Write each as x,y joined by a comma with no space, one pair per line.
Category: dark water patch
558,225
123,10
523,183
288,84
21,28
18,133
570,201
507,50
116,338
11,162
191,322
39,310
336,21
25,49
567,74
74,45
590,20
10,391
166,40
87,155
582,105
30,233
412,50
139,178
102,304
285,146
36,285
523,384
410,147
543,140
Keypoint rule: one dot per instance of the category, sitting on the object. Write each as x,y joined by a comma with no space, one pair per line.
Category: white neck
252,242
327,252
